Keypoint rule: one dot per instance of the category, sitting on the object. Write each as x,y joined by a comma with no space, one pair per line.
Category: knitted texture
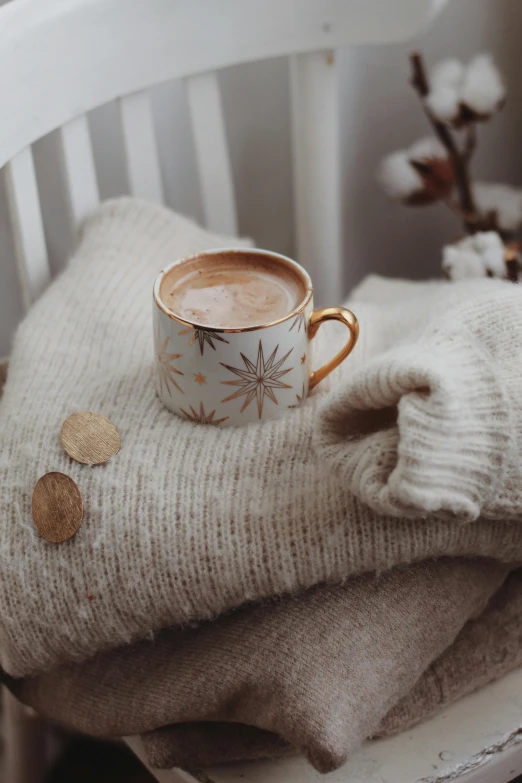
432,426
109,694
319,671
188,521
487,648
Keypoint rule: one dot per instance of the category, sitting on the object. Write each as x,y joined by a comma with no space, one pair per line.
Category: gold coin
57,507
89,438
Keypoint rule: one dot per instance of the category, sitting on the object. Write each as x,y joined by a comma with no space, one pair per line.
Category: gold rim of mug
215,251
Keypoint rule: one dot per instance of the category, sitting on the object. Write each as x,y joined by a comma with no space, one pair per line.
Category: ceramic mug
231,377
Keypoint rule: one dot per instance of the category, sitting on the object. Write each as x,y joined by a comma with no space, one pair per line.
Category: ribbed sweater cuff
423,429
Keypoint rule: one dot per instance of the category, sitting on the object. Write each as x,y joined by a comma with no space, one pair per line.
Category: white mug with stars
230,375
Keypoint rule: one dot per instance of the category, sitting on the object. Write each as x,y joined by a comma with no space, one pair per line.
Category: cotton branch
456,97
460,159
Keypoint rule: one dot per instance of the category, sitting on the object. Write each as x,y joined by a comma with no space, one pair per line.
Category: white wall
379,113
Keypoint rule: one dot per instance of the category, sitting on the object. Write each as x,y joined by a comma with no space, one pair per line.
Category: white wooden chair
61,58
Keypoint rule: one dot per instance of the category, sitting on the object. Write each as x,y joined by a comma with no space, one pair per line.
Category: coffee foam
232,289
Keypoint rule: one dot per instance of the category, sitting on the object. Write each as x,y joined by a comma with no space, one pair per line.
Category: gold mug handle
332,314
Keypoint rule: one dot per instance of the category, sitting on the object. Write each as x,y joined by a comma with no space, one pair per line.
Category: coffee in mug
232,336
232,290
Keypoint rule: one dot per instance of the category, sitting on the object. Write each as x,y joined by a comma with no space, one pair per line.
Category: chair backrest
61,58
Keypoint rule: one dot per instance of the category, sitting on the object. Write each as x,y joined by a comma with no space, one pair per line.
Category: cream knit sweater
188,521
433,424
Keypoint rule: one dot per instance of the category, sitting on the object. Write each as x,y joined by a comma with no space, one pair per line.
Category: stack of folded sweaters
293,586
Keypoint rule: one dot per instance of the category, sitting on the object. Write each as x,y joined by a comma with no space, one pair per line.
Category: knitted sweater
320,670
486,649
432,425
358,646
188,521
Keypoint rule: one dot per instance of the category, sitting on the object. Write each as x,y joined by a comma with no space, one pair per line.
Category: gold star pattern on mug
300,399
165,367
303,358
203,336
298,321
202,417
199,378
258,380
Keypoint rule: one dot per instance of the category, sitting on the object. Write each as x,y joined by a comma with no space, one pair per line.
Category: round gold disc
57,507
90,438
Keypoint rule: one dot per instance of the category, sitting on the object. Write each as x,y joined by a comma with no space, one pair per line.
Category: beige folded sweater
189,521
487,648
320,671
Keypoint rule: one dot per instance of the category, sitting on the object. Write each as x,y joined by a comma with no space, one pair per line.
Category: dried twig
454,206
418,79
471,141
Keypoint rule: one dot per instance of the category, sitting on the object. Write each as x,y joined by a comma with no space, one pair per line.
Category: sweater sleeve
433,426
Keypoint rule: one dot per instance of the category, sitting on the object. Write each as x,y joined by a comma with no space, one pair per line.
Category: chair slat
316,171
27,226
79,170
141,151
210,143
59,58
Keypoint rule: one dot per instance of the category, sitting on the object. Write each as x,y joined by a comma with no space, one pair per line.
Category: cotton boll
482,88
467,243
427,149
438,176
443,99
447,73
461,94
503,199
419,175
460,264
397,176
491,248
495,262
444,103
463,265
450,258
479,255
483,241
